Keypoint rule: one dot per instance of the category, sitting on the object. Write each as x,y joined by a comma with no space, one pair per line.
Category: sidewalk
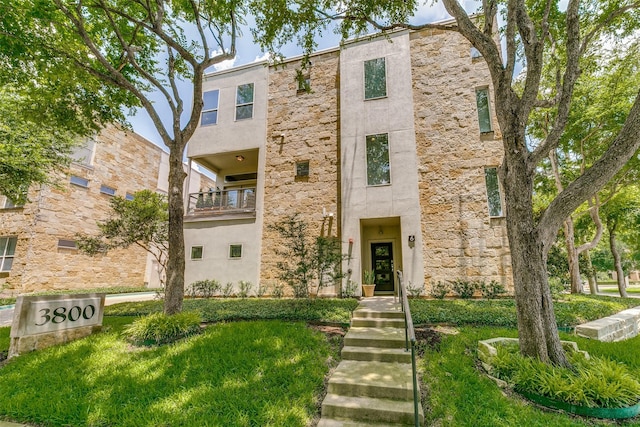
8,424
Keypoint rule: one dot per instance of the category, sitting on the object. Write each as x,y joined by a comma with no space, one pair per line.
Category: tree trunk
592,277
617,261
572,257
174,288
537,327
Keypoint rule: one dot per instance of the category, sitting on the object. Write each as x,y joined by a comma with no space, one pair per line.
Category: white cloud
264,57
224,65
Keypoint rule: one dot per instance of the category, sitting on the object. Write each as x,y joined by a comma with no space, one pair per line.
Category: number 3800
60,314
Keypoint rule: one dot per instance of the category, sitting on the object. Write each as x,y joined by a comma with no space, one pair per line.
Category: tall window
244,102
210,109
83,154
378,171
484,113
375,79
7,252
493,191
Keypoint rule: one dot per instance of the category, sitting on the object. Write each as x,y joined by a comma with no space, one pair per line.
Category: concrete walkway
372,385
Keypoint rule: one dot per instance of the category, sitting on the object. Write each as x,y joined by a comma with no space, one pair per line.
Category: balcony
240,202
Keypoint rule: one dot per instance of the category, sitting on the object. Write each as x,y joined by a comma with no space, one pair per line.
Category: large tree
125,51
531,30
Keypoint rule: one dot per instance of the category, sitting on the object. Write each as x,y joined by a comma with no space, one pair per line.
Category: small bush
414,291
594,382
245,288
557,287
492,289
158,328
227,290
464,288
203,288
440,289
350,289
278,291
262,290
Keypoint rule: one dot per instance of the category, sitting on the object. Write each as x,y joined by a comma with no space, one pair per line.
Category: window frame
367,160
364,81
300,164
489,120
4,252
209,110
489,198
201,247
79,181
245,104
107,190
66,244
230,253
129,196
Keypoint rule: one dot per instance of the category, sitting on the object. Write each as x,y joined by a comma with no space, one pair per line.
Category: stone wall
460,240
301,127
123,161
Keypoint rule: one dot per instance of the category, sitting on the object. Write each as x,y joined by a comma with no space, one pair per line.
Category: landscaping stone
617,327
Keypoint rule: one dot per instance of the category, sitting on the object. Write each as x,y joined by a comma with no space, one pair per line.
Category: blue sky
248,52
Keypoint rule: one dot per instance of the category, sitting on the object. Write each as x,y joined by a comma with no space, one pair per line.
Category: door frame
394,260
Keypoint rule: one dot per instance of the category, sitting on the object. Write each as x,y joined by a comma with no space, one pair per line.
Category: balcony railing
220,202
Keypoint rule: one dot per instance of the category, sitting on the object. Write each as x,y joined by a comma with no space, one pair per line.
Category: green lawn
256,372
260,373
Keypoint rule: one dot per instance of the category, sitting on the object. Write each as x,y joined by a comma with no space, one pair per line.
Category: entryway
381,251
382,266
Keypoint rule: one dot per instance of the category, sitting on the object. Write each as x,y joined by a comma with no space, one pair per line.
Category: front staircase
373,384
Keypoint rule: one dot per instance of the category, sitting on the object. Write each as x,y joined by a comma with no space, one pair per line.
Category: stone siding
301,127
123,161
460,240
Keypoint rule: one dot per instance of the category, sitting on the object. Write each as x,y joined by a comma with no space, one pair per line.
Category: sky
248,52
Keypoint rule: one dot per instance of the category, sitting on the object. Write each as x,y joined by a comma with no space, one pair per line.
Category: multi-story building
37,246
389,144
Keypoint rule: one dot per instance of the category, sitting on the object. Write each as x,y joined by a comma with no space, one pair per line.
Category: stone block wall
460,240
301,127
123,161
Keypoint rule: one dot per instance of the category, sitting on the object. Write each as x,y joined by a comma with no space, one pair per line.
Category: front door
382,265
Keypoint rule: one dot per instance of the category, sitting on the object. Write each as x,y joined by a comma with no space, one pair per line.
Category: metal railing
222,201
410,344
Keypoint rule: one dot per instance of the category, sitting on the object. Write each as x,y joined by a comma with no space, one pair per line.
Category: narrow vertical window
7,252
210,108
493,192
375,78
484,113
378,170
244,102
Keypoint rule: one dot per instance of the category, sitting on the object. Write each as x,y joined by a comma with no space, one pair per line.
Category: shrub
245,288
227,290
204,288
557,287
464,288
278,290
350,289
594,382
414,291
158,328
492,289
262,290
440,289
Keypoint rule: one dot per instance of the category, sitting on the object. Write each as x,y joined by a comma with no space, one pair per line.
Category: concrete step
375,337
326,422
363,409
368,313
372,379
376,354
380,322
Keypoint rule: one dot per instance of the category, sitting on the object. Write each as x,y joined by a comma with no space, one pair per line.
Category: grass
260,373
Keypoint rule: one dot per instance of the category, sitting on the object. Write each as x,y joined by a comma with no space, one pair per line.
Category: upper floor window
109,191
7,252
244,101
494,197
375,78
129,196
484,113
196,252
7,203
210,108
81,182
378,170
67,244
83,154
302,169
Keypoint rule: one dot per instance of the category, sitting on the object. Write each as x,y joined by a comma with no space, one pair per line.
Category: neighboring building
393,151
37,247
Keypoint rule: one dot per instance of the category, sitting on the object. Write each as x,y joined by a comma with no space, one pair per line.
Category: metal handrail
410,343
